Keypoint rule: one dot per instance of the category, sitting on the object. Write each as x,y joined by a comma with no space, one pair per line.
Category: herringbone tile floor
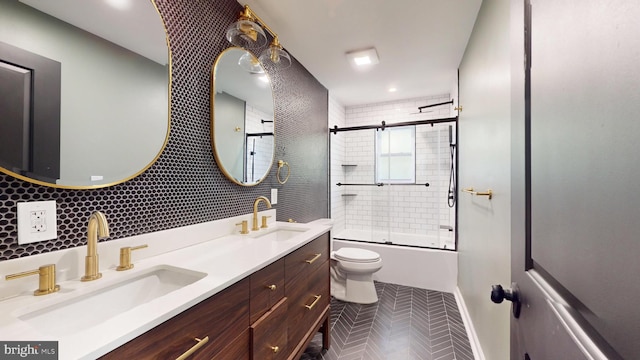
405,324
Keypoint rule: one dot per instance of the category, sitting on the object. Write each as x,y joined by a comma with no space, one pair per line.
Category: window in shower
396,155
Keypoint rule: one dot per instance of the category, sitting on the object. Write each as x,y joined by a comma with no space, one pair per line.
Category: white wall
336,118
485,163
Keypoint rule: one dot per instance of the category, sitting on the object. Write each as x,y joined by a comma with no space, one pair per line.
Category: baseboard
468,325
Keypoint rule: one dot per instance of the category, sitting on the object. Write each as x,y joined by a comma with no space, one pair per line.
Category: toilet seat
356,255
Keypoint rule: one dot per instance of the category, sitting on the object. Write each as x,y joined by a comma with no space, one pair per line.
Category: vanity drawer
221,318
307,258
237,350
267,288
319,296
269,334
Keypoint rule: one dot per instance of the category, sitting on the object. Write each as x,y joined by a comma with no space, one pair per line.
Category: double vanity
203,291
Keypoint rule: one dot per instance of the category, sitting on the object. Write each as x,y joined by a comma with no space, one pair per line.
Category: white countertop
224,259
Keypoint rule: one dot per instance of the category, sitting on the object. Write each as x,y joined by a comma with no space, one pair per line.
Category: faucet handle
245,226
125,257
264,221
47,282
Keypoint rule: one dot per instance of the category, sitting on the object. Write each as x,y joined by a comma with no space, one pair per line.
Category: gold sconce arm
282,164
488,193
249,14
249,32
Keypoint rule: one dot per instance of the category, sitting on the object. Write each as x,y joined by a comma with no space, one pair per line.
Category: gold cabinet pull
314,302
314,259
272,287
275,349
194,348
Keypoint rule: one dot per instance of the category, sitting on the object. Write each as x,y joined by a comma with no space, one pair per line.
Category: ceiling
419,42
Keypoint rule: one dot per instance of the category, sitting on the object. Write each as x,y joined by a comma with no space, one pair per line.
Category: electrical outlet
274,196
37,221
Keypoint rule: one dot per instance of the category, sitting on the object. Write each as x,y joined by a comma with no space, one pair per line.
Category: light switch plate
37,221
274,196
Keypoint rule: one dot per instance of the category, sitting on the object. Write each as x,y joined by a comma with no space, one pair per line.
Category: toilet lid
356,255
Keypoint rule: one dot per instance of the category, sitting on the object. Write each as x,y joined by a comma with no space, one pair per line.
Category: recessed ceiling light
119,4
392,89
363,58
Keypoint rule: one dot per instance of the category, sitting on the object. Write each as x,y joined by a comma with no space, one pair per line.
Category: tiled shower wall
258,162
408,209
185,186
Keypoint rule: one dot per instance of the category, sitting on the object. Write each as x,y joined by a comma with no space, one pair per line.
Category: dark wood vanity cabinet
223,318
270,315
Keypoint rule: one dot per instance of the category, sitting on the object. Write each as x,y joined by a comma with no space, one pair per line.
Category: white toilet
352,275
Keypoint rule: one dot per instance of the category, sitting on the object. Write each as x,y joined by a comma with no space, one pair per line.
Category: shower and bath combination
416,211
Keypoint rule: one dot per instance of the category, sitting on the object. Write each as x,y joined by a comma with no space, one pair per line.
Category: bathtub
442,240
423,268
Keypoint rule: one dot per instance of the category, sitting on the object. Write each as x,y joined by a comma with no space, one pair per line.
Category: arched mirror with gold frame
242,117
111,122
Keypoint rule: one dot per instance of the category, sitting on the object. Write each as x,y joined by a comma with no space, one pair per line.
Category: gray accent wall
484,135
185,186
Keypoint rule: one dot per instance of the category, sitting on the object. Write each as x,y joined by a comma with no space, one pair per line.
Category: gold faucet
97,229
47,282
255,211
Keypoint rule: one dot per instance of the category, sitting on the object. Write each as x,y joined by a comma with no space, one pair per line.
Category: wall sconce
247,33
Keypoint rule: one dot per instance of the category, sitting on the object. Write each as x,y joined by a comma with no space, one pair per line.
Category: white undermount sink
281,233
91,309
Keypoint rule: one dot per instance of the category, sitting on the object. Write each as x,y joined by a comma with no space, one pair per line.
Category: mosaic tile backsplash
185,186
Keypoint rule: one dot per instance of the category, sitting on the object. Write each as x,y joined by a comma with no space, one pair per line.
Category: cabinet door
222,318
267,288
269,334
318,293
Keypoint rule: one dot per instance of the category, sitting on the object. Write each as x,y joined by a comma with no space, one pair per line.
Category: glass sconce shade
247,34
275,56
249,63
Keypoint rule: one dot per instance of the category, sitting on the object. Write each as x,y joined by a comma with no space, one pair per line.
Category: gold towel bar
488,193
